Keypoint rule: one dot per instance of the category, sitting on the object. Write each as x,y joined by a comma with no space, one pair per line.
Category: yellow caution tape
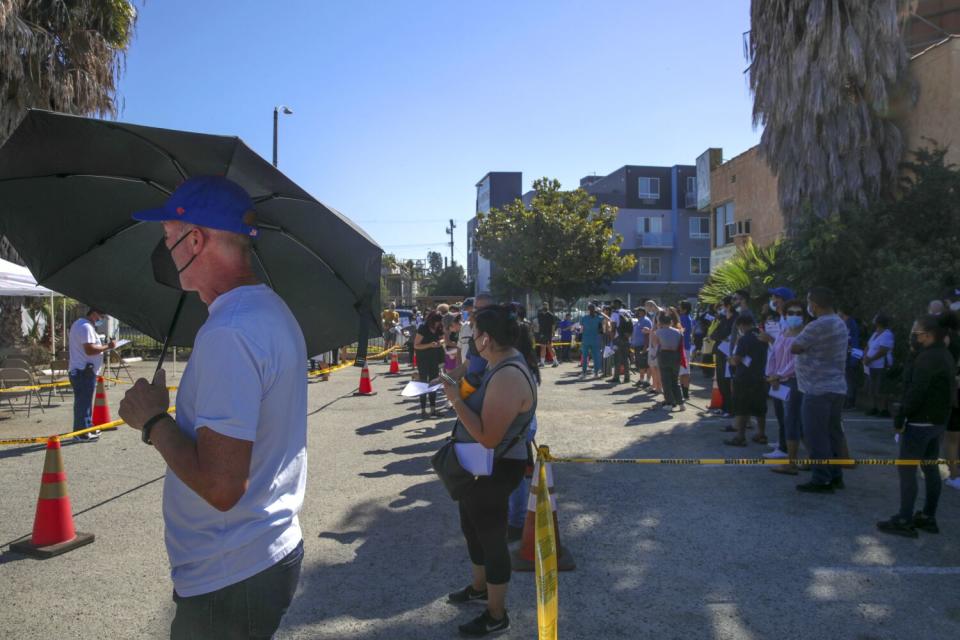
107,426
545,556
35,387
843,462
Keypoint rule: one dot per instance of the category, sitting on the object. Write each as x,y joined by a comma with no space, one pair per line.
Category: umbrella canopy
68,186
16,280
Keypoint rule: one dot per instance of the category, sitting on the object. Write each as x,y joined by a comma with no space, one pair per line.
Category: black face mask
165,270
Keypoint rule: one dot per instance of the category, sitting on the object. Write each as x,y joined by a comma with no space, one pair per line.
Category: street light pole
276,116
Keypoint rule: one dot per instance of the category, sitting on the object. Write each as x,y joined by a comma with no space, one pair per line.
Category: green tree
891,257
451,281
435,262
828,79
64,56
559,247
752,268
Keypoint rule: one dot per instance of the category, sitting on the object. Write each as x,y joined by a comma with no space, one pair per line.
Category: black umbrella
68,186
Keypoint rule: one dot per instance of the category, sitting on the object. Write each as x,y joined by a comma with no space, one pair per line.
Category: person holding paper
497,415
781,366
721,336
749,361
877,361
86,360
429,347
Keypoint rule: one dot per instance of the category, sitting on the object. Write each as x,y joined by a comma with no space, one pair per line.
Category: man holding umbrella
236,452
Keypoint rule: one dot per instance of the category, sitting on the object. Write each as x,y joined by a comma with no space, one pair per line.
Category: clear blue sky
401,107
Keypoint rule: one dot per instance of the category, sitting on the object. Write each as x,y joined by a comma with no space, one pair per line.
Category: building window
650,225
647,266
700,227
691,193
699,266
648,188
724,227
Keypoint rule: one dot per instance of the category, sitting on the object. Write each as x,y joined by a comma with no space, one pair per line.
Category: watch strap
148,426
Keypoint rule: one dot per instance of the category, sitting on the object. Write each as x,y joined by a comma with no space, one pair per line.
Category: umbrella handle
173,324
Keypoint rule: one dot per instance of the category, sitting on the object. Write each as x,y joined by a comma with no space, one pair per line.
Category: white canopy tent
16,280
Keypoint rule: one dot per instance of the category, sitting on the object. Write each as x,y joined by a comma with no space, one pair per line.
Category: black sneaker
468,594
815,487
898,527
925,523
514,534
837,483
484,624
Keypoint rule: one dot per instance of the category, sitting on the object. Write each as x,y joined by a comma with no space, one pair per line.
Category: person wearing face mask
876,362
929,393
86,360
591,341
236,451
429,347
781,366
722,334
497,415
821,350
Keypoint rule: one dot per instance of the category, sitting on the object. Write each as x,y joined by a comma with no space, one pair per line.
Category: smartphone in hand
446,378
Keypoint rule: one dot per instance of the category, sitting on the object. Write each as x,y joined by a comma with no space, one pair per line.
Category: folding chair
10,378
118,363
58,372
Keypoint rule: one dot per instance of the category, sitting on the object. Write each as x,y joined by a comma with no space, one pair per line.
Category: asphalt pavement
664,551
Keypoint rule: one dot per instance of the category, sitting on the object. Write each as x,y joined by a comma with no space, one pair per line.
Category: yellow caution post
545,560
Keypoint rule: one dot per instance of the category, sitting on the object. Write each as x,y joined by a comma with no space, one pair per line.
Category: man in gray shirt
821,350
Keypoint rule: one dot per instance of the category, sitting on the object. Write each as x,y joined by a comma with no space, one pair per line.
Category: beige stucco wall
936,114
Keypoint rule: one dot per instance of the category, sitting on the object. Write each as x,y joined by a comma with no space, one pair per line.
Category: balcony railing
655,240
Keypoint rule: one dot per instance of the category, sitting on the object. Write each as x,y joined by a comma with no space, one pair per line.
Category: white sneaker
952,482
774,445
542,364
776,454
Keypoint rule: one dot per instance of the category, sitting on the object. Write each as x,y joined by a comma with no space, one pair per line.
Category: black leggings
428,368
483,518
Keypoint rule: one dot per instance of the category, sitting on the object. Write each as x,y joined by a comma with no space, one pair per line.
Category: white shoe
776,454
542,364
774,445
952,482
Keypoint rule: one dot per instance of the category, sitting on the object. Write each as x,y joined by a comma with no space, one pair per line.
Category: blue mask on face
794,322
99,323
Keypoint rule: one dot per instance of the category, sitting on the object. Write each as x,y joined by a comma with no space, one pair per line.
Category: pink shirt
780,362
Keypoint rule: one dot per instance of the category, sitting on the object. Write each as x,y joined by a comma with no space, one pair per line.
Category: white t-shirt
885,339
246,379
83,332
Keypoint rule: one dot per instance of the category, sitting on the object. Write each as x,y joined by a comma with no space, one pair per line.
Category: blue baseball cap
208,201
782,292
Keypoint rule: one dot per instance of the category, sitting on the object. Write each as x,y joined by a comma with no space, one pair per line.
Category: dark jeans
84,383
920,443
621,359
778,411
823,433
792,415
251,608
723,383
428,368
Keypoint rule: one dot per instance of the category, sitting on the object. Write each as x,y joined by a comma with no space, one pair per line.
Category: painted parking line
827,572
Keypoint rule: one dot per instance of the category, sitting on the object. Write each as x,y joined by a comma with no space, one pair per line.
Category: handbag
457,480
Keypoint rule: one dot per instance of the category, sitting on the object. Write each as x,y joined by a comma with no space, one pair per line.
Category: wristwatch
149,425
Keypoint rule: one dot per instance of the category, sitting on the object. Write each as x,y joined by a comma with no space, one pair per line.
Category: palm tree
59,55
751,268
828,79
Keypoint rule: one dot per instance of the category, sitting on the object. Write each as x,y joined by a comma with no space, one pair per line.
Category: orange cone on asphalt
366,388
53,530
394,364
716,398
523,558
101,411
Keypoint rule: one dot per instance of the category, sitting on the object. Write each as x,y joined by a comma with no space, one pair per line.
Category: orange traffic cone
53,531
101,411
522,558
366,389
394,364
716,398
